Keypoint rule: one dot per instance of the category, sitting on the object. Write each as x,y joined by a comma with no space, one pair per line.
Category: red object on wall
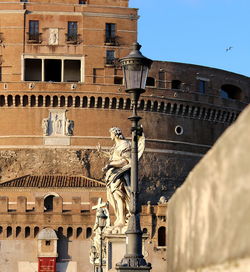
47,264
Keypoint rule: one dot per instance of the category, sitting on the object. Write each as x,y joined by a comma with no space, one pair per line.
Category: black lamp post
135,69
101,221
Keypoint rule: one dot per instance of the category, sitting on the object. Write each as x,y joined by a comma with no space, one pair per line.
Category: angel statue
117,176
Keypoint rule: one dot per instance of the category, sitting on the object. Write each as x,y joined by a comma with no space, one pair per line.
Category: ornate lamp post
135,69
101,217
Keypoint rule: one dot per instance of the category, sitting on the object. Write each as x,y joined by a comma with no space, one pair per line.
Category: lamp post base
132,263
123,268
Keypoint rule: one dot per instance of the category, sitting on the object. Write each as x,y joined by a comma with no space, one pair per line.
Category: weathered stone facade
208,217
61,90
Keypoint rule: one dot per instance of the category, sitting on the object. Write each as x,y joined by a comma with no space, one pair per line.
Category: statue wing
141,145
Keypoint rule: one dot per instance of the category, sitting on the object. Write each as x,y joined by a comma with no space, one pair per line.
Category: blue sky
197,32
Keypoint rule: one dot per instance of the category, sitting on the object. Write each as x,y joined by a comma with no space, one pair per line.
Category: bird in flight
229,48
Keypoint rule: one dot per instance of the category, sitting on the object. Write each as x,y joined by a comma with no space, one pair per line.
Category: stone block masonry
208,216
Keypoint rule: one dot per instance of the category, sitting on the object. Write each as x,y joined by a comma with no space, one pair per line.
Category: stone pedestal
115,251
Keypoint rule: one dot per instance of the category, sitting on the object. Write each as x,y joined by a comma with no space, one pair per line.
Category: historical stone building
61,89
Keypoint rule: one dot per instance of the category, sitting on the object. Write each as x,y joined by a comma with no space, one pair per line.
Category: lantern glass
135,69
102,217
135,76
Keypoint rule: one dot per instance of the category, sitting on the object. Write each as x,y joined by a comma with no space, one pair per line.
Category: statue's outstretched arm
104,153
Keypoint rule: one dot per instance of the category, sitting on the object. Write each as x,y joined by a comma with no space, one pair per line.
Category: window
27,232
88,232
53,70
72,70
33,70
118,80
202,86
34,35
72,35
110,37
47,242
162,79
176,84
82,2
18,231
162,236
230,92
110,57
150,81
9,231
0,73
48,203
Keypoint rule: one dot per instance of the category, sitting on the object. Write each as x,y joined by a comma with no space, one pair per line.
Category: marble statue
117,174
95,249
45,126
69,127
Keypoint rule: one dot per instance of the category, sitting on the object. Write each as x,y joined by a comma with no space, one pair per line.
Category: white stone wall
209,216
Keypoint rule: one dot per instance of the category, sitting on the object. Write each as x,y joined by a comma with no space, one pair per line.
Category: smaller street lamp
135,70
94,252
101,222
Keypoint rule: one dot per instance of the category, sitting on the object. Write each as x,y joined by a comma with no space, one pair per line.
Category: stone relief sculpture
117,174
69,127
53,36
57,124
45,126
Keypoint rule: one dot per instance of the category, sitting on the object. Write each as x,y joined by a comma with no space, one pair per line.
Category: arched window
55,101
32,101
17,100
25,100
113,105
77,102
148,105
176,84
99,102
162,236
40,101
155,106
78,232
2,100
92,102
161,107
231,92
69,232
27,232
106,103
36,231
88,232
47,101
18,231
62,101
60,232
48,203
128,104
9,231
85,102
10,100
142,104
150,82
70,101
1,230
121,103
